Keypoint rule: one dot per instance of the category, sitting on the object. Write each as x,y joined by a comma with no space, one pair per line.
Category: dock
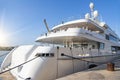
6,76
97,73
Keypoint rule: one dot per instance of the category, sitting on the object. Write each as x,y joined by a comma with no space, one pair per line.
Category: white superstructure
69,47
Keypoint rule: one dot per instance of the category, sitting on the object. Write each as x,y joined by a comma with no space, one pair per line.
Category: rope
18,65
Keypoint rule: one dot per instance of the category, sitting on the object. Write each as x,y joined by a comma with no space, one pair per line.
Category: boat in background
67,48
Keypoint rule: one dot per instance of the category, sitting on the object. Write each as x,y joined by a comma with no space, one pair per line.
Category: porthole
52,54
45,55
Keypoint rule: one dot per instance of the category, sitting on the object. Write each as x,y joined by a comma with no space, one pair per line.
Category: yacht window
45,54
51,54
118,48
107,37
101,45
93,46
38,54
76,45
114,49
113,38
84,45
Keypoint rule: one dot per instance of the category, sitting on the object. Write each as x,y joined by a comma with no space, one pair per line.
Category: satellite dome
91,5
102,24
95,14
87,16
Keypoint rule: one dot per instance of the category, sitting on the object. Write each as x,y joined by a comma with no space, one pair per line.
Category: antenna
45,22
87,16
95,14
91,8
101,18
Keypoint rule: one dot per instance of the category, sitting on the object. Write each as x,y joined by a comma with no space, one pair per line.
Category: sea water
3,55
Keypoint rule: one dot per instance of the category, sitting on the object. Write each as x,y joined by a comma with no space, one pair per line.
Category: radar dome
95,14
91,5
87,16
102,24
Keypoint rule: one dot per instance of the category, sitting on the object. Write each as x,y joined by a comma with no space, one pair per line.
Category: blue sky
22,20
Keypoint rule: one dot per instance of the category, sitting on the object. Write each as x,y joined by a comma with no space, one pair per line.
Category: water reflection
2,56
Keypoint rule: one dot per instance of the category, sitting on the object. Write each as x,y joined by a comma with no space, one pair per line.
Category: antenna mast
45,22
92,9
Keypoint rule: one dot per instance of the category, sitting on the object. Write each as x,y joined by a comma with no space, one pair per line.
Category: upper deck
81,23
74,31
87,29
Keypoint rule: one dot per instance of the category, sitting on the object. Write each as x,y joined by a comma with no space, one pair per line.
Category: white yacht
67,48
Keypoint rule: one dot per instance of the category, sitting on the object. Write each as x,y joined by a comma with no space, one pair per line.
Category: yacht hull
51,67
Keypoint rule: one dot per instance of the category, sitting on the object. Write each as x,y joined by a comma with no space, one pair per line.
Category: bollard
110,66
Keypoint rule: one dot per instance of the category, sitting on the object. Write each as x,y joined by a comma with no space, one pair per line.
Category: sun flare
3,38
